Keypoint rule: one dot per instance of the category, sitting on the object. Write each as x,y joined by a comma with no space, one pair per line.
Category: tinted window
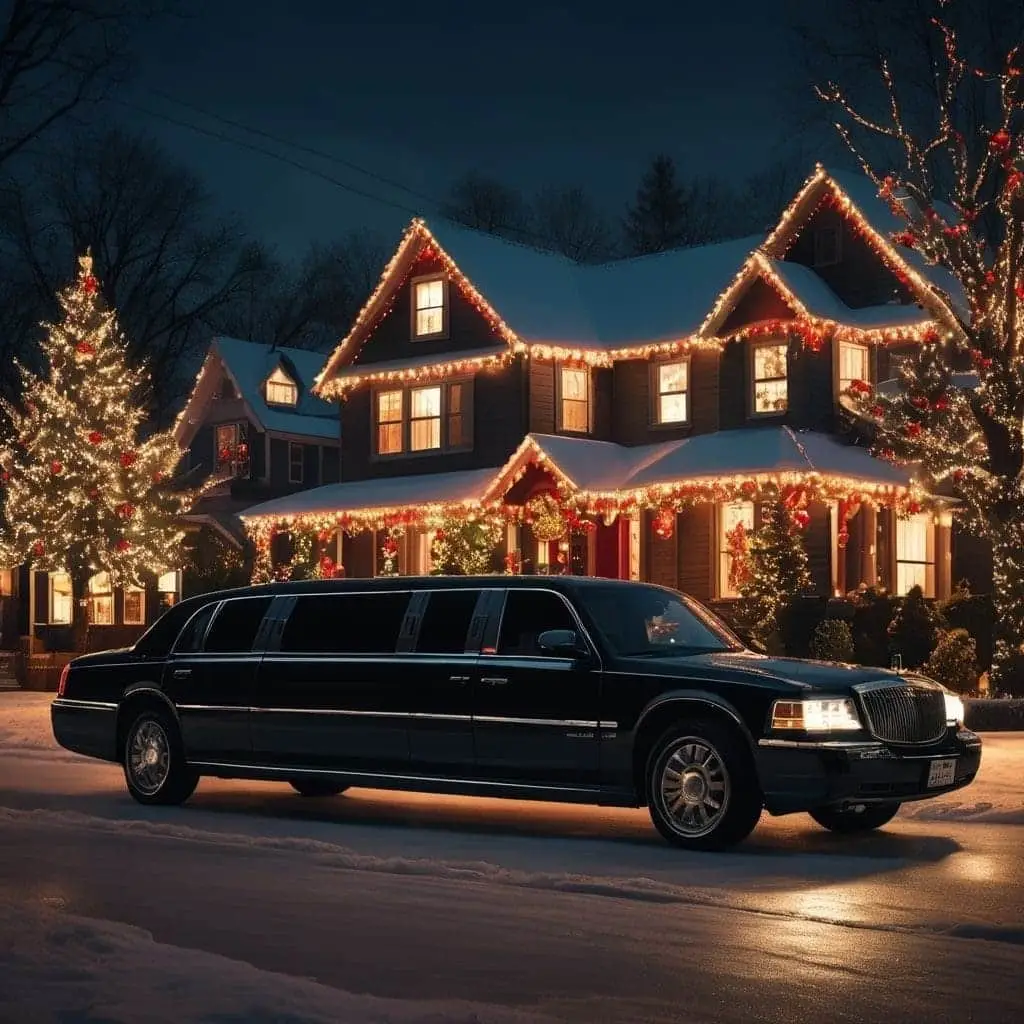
191,638
651,621
345,624
160,637
446,621
528,613
235,625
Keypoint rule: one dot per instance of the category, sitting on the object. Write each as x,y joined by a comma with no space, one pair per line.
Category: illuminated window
420,545
736,519
61,599
672,392
231,442
100,600
770,386
168,586
134,606
854,364
429,308
389,422
296,462
281,389
574,399
915,554
425,419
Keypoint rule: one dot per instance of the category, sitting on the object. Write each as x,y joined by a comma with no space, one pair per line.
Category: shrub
872,612
973,612
914,630
954,662
832,641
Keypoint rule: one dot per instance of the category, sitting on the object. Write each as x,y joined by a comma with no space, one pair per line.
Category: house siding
662,555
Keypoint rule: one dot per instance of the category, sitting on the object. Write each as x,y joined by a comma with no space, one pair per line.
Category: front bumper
803,776
85,727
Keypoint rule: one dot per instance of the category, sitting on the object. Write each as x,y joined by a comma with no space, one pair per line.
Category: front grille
905,713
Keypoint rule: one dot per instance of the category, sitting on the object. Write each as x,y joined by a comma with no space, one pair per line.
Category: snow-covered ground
997,795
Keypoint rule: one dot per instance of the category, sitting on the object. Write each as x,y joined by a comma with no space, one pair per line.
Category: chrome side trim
440,718
389,777
822,744
83,705
220,708
569,723
330,711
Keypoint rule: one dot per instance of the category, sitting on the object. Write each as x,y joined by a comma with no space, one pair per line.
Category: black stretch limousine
561,688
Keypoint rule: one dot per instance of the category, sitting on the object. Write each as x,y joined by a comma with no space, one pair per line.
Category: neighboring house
666,396
252,429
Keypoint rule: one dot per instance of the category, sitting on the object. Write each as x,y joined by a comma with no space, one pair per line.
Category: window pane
672,377
425,434
771,396
134,607
60,599
191,638
429,321
234,628
100,583
281,392
167,582
574,384
731,515
853,364
446,621
389,438
574,417
528,613
389,406
227,435
345,624
101,610
429,294
769,361
672,408
426,402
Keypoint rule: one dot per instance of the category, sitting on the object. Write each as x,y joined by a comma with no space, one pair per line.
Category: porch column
943,555
869,545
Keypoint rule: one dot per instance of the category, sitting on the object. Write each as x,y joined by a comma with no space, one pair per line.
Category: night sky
544,94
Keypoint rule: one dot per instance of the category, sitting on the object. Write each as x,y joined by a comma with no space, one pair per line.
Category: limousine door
328,694
210,675
535,717
445,627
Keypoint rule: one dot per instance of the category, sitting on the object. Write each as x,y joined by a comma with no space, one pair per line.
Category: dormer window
770,384
281,389
428,313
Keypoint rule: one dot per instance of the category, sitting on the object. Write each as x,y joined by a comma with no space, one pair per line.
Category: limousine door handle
494,681
458,679
182,673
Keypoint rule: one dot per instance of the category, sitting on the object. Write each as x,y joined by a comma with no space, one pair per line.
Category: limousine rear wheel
154,760
316,787
702,789
848,821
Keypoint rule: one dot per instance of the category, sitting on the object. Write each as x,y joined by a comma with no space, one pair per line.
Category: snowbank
58,967
996,796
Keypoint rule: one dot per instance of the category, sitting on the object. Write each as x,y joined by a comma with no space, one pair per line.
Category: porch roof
424,489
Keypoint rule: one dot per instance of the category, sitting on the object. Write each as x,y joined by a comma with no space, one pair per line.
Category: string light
83,494
970,441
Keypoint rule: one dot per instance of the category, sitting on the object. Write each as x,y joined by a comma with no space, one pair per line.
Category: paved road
579,913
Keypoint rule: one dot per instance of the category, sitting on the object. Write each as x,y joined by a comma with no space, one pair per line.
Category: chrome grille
905,713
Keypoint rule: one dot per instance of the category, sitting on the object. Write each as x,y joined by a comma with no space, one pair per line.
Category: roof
249,363
820,301
465,487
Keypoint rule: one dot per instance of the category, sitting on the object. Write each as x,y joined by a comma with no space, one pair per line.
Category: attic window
281,389
428,315
827,247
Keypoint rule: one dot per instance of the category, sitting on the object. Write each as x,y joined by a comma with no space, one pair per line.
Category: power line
242,144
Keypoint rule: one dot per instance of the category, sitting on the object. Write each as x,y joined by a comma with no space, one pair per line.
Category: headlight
815,715
954,708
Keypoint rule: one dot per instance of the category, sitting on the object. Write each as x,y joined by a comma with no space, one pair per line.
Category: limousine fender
665,709
133,700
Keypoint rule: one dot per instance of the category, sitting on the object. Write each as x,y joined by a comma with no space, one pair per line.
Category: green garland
465,547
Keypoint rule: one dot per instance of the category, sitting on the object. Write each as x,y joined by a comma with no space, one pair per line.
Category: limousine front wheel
154,760
702,789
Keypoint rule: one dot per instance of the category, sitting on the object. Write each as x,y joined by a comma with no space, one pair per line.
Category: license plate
942,773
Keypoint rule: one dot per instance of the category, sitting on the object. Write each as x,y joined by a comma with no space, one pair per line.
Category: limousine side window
235,626
528,613
446,622
345,624
191,639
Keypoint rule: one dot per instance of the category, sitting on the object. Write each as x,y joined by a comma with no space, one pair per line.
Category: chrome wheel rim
149,757
694,788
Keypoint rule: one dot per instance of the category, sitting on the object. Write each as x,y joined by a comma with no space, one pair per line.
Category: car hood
763,670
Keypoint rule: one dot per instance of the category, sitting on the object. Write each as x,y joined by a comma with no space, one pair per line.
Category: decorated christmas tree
958,413
82,493
776,569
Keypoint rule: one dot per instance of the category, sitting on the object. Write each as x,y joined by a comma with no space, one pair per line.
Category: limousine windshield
650,622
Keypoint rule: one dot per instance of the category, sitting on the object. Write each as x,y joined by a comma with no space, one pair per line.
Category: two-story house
251,429
657,402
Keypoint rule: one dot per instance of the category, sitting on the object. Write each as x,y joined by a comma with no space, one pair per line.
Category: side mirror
562,643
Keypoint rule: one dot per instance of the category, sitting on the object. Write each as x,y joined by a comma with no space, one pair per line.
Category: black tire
316,787
851,821
154,763
721,767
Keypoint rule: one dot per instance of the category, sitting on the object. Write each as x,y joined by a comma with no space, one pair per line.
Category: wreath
546,518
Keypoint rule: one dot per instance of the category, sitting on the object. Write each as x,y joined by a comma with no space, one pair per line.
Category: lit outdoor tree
82,493
958,415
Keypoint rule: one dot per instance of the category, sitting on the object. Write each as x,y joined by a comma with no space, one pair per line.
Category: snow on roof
466,486
391,368
250,363
821,301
